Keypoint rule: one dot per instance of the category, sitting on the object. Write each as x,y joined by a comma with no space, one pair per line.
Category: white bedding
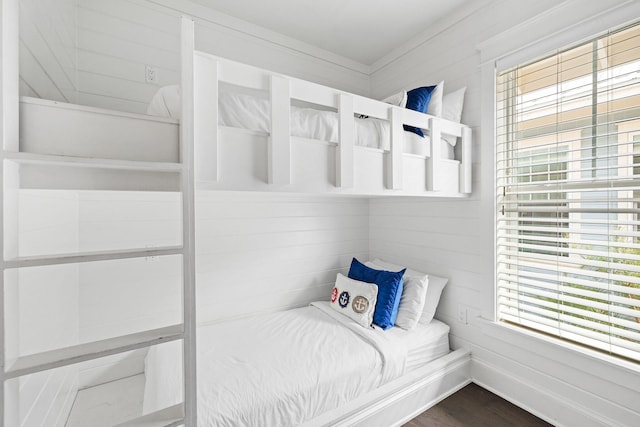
254,112
424,343
279,369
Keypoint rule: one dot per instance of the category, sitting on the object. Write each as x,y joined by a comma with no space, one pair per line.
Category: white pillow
436,285
355,299
166,102
452,104
435,103
414,292
434,290
399,99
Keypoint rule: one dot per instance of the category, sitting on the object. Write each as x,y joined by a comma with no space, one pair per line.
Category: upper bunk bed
253,130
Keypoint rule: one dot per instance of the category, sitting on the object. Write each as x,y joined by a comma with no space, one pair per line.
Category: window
568,176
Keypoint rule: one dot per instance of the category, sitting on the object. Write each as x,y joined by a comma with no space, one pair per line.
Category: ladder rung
89,162
80,353
167,417
37,261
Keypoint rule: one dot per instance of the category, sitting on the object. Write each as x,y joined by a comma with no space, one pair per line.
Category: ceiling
362,30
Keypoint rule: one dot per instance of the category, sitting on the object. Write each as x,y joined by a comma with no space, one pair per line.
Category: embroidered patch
344,299
360,304
334,294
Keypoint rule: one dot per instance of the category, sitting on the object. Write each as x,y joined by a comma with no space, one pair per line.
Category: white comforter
254,113
278,369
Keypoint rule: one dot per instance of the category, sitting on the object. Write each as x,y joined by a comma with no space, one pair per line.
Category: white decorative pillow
434,290
399,99
452,104
435,103
355,299
414,293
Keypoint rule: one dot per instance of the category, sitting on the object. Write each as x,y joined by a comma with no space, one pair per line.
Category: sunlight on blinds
568,176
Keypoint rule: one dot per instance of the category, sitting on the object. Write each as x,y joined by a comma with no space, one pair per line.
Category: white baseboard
546,402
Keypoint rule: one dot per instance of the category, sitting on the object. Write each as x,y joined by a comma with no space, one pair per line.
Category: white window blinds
568,176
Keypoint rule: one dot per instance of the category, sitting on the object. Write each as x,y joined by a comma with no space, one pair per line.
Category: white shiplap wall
263,252
118,38
456,239
46,315
126,296
47,49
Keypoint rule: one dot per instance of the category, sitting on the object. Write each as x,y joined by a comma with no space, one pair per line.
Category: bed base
400,400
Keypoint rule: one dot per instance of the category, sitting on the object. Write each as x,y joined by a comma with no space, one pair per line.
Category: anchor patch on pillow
360,304
344,299
334,294
354,299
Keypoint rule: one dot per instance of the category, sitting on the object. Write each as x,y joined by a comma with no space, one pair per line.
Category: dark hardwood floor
476,407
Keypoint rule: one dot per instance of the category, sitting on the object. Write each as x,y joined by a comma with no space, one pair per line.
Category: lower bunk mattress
288,367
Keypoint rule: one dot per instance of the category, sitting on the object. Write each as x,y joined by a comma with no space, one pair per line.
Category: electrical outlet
462,314
150,74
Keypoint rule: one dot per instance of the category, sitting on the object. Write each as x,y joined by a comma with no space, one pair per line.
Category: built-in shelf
167,417
88,162
80,353
71,258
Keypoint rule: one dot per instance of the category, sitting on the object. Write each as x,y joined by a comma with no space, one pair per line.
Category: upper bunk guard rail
209,71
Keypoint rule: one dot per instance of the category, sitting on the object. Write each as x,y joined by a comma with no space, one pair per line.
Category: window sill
610,368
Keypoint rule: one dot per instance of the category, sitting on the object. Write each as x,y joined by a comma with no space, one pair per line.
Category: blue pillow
418,100
389,291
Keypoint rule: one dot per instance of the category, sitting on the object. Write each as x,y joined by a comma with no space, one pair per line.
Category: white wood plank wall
45,312
260,252
119,38
455,239
127,296
47,49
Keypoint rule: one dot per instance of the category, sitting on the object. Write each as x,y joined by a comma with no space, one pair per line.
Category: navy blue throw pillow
389,291
418,100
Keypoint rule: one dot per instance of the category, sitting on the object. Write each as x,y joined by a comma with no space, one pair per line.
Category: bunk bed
276,134
200,151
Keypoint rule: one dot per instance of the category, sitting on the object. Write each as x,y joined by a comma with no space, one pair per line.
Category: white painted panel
64,129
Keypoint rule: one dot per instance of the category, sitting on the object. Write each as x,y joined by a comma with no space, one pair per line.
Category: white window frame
567,23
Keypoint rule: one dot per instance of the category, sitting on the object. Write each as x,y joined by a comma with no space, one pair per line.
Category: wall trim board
426,36
544,403
570,21
210,16
545,386
591,362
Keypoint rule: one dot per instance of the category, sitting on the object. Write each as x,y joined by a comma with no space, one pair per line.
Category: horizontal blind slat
568,193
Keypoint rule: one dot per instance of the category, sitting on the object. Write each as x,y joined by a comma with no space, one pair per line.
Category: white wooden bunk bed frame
59,142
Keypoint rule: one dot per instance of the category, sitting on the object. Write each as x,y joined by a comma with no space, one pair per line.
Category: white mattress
252,112
287,367
425,343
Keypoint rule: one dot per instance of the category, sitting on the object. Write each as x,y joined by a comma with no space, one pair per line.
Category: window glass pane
568,168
